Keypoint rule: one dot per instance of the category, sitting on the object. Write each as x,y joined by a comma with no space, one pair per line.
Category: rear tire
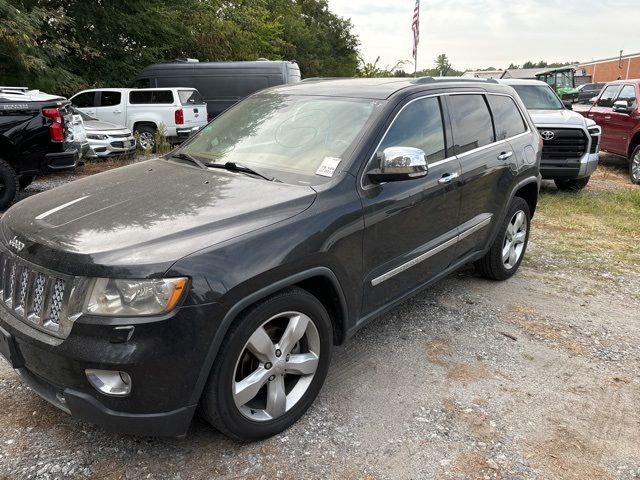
9,185
25,181
572,185
147,135
634,166
255,390
505,255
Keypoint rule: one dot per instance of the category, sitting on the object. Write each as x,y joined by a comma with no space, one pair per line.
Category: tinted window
85,100
627,94
150,96
190,97
141,83
506,117
471,122
109,99
609,93
162,96
419,125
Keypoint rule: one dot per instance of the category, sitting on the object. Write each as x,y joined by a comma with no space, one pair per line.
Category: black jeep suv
221,276
36,137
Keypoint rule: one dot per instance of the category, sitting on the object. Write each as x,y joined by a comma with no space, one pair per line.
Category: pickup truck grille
34,296
566,144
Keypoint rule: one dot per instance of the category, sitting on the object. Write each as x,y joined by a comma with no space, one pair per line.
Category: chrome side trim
434,251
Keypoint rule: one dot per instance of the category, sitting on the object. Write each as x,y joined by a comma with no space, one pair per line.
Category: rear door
86,102
410,226
487,166
111,107
194,108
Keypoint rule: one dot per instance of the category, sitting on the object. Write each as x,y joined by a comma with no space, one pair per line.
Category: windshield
84,116
538,97
298,139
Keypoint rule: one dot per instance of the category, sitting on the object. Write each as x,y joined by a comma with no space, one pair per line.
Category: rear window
190,97
150,96
109,99
506,117
471,122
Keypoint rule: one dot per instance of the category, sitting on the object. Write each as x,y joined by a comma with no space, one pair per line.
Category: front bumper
568,169
113,146
164,357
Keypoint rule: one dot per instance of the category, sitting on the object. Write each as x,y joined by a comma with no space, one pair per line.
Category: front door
601,114
111,107
411,225
621,124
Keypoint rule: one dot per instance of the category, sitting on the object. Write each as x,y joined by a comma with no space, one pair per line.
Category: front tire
634,166
270,367
505,255
9,185
572,185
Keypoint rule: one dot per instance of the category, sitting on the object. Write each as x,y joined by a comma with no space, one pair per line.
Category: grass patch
94,166
600,226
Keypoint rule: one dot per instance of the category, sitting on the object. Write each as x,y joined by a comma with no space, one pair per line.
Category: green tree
443,65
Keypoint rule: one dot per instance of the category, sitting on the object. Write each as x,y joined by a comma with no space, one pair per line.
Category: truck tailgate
193,107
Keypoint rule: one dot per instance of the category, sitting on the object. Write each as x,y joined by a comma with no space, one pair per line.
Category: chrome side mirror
399,163
622,106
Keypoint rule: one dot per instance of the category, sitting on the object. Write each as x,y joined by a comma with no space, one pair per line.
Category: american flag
415,26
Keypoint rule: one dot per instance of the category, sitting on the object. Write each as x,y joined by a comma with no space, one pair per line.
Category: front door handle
448,178
117,111
607,117
505,155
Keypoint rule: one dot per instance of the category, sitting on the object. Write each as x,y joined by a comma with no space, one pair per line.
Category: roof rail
421,80
186,60
18,89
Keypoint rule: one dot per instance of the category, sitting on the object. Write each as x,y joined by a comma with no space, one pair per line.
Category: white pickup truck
182,111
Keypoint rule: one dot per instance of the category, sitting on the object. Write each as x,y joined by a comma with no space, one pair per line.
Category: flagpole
415,28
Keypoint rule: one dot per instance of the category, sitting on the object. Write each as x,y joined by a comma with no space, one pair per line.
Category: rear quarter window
507,118
190,97
471,122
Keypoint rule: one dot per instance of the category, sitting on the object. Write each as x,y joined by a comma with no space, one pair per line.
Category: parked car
222,84
38,135
182,111
107,139
571,142
221,275
588,91
616,110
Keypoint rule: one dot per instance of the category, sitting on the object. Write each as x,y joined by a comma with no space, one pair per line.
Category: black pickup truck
37,136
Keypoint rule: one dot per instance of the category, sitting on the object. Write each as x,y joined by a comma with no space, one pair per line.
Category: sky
479,34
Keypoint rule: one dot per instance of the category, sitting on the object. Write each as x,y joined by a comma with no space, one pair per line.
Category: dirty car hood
142,218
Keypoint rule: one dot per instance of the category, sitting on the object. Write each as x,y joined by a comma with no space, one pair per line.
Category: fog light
110,382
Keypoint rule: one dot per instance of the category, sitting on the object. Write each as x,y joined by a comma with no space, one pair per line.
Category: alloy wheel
635,167
514,240
147,140
276,366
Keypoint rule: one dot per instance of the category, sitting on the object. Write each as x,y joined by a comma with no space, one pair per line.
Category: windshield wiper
190,158
237,167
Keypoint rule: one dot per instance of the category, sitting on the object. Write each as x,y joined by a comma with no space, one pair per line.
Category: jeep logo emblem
548,135
16,244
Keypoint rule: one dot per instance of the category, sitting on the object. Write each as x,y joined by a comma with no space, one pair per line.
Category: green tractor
562,80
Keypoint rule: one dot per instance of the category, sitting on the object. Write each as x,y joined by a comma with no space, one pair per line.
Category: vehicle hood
94,126
561,118
142,218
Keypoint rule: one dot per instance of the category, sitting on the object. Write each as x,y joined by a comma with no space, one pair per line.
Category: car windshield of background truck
538,97
297,139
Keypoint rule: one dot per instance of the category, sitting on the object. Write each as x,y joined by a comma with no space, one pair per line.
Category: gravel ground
533,378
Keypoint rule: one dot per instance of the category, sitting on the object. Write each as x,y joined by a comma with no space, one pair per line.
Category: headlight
96,136
111,297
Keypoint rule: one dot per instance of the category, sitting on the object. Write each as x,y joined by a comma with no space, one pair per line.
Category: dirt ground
534,378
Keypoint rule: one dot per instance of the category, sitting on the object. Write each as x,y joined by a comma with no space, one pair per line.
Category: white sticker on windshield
328,166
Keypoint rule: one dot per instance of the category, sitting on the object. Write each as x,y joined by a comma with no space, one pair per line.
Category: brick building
610,69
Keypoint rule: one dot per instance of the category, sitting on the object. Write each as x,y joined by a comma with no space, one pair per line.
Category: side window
140,96
506,117
419,125
162,96
471,122
141,83
606,99
627,94
85,100
109,99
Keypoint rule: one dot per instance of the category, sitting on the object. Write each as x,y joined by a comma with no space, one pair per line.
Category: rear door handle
505,155
448,178
607,117
117,111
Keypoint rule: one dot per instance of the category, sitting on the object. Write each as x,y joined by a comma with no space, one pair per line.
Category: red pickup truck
617,111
